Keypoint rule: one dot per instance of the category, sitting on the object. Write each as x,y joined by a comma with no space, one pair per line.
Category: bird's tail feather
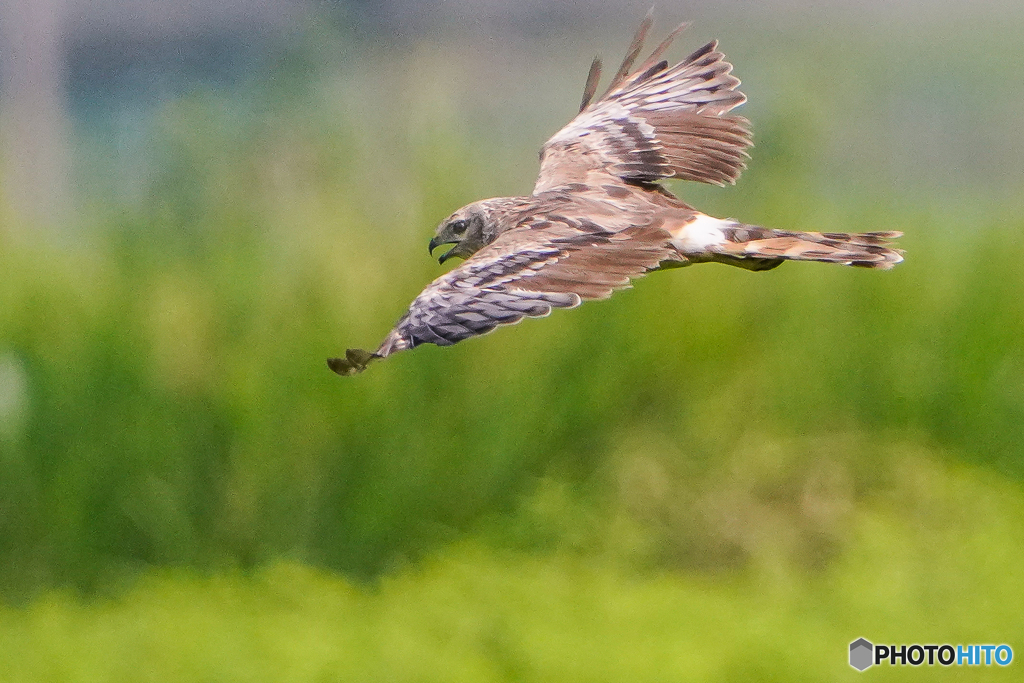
863,250
756,248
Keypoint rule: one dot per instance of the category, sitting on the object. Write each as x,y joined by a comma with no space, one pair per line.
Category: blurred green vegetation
716,475
937,557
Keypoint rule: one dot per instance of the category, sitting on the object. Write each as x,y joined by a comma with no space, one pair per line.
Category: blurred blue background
717,475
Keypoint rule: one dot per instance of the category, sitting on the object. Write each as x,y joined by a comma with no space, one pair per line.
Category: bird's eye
459,227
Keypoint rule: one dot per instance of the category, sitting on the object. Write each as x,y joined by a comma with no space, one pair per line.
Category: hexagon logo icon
861,652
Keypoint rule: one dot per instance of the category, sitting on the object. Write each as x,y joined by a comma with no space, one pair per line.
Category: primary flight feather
598,217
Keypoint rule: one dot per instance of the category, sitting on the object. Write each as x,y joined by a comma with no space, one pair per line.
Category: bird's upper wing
657,122
546,262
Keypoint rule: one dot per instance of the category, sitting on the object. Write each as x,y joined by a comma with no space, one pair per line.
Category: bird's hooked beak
435,243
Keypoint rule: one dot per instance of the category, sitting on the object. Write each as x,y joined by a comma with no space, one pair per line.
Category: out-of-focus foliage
717,461
937,557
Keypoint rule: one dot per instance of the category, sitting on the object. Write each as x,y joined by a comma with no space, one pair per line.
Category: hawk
599,217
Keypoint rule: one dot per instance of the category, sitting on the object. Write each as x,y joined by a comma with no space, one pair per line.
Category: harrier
598,216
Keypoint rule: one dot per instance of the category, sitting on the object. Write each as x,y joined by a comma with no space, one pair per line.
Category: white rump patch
701,233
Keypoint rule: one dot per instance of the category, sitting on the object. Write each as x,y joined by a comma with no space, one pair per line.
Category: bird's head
474,226
464,229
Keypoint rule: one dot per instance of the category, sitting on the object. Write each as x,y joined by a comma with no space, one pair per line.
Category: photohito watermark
864,654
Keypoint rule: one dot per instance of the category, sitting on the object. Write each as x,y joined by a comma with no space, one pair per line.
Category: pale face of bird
466,229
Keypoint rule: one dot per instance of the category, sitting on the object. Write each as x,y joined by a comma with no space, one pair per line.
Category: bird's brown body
598,216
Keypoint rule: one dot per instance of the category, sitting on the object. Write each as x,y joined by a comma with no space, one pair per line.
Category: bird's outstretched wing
656,122
548,262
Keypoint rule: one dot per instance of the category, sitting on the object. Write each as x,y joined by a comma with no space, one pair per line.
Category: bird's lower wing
526,272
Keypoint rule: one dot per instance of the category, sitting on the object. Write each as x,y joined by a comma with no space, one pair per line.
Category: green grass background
715,476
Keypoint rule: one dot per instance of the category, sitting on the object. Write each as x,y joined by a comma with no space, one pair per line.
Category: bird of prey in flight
598,216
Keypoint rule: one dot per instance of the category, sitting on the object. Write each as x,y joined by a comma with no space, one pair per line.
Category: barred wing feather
660,122
546,263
